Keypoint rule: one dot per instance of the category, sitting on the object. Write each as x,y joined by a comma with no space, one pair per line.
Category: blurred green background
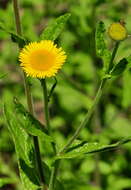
77,84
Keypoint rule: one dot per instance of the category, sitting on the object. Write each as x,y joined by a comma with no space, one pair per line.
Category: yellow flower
117,31
41,59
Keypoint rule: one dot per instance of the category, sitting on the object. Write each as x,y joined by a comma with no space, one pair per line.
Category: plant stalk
87,117
47,121
27,87
113,56
86,120
46,110
96,101
54,175
83,123
17,17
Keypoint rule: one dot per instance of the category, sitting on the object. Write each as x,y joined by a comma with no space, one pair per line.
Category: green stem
83,123
76,134
27,87
46,116
46,111
29,98
52,89
113,56
87,117
96,101
17,17
54,175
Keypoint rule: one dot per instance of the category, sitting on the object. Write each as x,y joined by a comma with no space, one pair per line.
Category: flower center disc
41,60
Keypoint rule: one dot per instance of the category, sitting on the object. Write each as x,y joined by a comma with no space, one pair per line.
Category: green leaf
120,67
29,123
25,151
18,39
101,47
126,99
82,148
54,29
15,37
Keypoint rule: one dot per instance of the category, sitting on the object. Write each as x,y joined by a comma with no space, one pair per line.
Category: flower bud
117,31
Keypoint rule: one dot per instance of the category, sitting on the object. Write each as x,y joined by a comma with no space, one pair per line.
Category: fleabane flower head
41,59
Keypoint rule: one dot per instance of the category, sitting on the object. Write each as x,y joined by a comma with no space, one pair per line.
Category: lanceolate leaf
25,152
84,148
54,29
18,39
29,123
101,48
120,67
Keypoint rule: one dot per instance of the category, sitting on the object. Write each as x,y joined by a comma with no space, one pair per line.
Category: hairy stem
29,97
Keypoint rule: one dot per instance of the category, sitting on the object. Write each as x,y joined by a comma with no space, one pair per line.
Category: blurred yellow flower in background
41,59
